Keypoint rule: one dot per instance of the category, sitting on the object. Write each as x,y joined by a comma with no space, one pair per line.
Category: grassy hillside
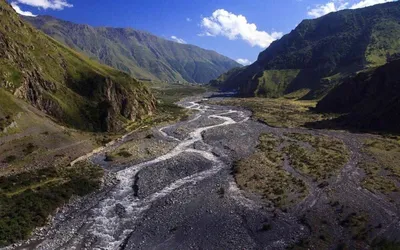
272,83
67,86
370,100
323,51
138,53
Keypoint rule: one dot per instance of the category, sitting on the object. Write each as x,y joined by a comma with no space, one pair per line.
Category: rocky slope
67,86
138,53
321,52
371,99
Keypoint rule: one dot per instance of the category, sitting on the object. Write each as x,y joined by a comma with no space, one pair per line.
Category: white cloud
323,9
336,5
47,4
243,61
224,23
178,40
21,12
367,3
188,19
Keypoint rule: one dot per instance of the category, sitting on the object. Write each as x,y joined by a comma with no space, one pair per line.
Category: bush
124,154
23,211
10,159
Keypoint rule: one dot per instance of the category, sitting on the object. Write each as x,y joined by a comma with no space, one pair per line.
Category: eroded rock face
119,101
114,101
33,90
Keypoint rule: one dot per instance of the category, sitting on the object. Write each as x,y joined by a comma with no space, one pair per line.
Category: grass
10,159
138,149
8,109
167,111
273,83
382,170
169,62
262,173
33,186
353,224
319,157
315,157
124,154
357,224
281,112
381,244
67,86
27,199
175,92
383,42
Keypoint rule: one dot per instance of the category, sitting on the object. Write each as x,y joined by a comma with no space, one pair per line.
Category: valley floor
223,180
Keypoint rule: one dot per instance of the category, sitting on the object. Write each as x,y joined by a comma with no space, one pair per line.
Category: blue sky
239,29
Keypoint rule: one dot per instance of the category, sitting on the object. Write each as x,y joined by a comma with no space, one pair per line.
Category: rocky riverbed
188,198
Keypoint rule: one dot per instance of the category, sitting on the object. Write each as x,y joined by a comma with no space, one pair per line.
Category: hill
138,53
68,87
319,53
370,100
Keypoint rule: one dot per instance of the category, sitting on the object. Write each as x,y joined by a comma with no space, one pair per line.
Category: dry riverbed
223,180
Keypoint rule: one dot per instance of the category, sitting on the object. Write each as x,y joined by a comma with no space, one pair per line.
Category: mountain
68,87
227,77
138,53
370,100
319,53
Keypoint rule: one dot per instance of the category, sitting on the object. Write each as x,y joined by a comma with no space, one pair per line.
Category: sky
239,29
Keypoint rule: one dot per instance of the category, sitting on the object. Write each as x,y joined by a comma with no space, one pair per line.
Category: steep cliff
71,88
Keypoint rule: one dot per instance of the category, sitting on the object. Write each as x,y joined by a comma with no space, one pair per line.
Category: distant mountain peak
139,53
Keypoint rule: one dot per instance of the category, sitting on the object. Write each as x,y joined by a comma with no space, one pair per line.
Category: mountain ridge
139,53
67,86
320,52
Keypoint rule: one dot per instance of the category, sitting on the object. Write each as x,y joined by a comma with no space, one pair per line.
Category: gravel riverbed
188,199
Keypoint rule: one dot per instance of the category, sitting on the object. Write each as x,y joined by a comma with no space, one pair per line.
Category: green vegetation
357,224
139,149
10,159
145,147
138,53
75,90
382,169
281,112
339,44
384,41
8,109
319,157
27,199
166,109
381,244
273,83
297,95
174,93
226,77
262,173
369,100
